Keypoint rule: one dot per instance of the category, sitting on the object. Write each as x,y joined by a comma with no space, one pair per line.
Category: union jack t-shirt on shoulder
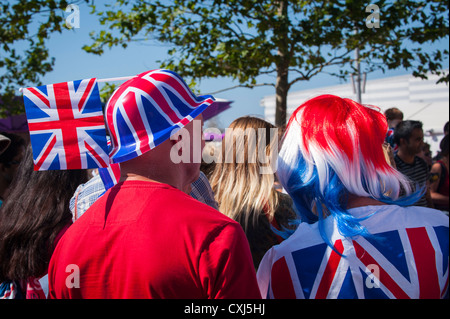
408,258
66,124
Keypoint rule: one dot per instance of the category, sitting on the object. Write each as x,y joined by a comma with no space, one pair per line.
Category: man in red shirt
146,238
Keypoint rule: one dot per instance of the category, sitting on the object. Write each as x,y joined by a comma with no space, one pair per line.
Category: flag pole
121,78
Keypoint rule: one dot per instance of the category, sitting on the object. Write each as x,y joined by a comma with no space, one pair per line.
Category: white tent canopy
418,99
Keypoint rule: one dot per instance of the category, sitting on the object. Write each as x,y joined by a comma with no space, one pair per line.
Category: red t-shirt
150,240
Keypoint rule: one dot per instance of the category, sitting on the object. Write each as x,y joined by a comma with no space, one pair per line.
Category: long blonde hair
242,183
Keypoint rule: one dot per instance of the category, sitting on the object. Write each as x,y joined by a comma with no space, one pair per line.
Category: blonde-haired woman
243,182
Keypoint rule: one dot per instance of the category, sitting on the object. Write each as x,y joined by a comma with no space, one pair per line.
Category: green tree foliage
294,40
25,26
241,39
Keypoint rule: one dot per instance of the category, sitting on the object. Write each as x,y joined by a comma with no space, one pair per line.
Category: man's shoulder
418,161
194,207
397,158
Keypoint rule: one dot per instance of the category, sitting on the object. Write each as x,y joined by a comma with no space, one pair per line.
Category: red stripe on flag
96,155
40,96
330,271
86,94
49,148
115,169
385,279
425,260
69,133
282,286
54,125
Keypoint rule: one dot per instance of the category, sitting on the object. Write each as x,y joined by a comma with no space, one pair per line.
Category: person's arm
437,198
430,202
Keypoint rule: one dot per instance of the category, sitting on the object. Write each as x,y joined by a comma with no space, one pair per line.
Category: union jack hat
147,109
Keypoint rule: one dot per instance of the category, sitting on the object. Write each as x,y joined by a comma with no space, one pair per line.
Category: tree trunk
281,89
282,85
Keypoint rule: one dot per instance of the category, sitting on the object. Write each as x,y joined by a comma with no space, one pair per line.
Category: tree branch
250,86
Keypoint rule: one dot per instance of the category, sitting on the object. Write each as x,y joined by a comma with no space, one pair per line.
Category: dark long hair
36,210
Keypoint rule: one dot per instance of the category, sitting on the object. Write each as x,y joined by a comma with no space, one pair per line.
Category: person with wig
357,237
243,183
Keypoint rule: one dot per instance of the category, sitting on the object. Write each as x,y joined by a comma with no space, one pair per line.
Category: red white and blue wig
332,148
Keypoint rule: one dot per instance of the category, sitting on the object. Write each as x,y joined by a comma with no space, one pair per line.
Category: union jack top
408,258
66,124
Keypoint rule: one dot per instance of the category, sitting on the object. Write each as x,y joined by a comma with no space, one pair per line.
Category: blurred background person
445,129
393,117
439,185
243,183
426,155
409,138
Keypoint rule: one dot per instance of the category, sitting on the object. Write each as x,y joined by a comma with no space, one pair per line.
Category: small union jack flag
411,263
110,175
66,124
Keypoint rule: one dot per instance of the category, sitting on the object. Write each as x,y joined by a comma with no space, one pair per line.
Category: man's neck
162,179
359,201
406,157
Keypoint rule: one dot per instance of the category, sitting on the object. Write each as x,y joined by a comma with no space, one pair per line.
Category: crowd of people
414,159
338,204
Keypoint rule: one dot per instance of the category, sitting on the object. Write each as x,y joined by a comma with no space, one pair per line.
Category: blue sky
72,63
